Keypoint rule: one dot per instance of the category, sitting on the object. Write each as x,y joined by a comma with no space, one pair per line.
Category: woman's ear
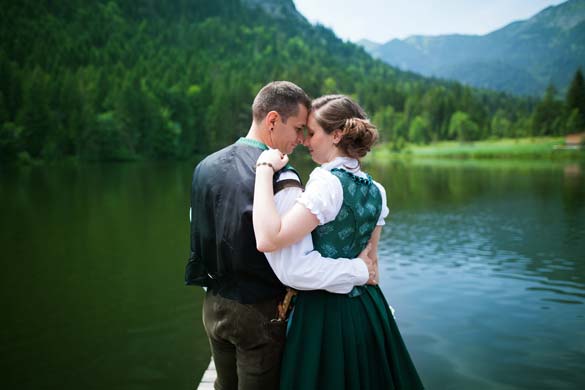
336,136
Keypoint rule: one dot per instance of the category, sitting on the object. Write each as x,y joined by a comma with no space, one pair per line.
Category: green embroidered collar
257,144
252,142
354,177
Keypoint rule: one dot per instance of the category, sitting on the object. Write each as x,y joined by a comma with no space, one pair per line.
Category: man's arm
303,268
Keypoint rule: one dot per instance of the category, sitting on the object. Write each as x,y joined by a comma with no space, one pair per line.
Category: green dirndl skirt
345,343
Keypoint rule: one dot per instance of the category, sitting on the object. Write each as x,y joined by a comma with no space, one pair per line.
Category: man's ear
271,118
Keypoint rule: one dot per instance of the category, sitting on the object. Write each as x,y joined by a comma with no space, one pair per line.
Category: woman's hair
339,112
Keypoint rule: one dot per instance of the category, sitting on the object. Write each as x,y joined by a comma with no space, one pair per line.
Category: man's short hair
283,97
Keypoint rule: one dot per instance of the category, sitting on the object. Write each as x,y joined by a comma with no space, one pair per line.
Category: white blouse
323,194
301,267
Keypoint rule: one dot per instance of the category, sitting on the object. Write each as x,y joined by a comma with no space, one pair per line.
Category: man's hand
370,263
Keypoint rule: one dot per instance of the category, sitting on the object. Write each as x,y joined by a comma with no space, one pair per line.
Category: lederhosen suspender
286,183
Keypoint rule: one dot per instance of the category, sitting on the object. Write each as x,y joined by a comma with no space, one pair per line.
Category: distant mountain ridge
521,58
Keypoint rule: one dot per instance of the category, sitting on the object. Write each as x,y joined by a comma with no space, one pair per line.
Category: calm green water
483,262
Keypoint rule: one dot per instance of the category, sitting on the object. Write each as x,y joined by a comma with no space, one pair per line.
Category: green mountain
127,79
521,58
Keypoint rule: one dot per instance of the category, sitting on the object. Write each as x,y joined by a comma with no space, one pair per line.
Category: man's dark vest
224,257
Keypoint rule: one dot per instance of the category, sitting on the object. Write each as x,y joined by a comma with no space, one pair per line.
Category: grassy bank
530,148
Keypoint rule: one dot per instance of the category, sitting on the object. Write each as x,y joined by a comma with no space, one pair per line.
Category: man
243,290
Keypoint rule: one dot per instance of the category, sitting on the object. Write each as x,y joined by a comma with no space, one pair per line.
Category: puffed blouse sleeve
385,210
323,195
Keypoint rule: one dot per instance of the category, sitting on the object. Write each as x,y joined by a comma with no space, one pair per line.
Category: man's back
243,292
222,235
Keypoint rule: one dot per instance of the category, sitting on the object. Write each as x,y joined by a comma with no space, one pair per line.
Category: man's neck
257,134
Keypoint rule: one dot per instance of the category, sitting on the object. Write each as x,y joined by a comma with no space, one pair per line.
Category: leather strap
286,183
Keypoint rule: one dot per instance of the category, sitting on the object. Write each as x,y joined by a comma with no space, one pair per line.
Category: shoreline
550,148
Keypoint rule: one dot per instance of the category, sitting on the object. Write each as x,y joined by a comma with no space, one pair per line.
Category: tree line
122,80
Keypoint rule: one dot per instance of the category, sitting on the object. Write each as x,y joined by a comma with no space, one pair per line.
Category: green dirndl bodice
347,341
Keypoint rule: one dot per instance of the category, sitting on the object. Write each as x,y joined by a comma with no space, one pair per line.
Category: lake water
484,263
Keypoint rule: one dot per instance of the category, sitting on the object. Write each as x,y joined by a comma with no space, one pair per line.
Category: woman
335,341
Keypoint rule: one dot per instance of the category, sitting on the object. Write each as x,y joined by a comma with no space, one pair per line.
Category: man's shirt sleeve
303,268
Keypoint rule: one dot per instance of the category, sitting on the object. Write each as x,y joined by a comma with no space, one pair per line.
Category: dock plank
208,377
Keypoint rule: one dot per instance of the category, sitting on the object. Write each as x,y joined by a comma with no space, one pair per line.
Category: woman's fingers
368,247
284,160
273,157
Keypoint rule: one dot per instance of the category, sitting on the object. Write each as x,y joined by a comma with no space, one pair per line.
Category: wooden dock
208,377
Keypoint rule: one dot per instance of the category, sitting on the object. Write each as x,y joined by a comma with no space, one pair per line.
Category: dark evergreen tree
576,100
4,116
548,115
10,141
35,116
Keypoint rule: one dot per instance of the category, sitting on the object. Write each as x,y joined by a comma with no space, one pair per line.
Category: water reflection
92,288
484,263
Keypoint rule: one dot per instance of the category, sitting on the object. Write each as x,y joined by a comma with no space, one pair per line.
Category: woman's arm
273,232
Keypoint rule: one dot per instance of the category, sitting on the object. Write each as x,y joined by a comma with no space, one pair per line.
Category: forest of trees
123,80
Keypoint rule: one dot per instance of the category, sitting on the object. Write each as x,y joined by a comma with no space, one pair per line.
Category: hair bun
352,124
339,112
357,137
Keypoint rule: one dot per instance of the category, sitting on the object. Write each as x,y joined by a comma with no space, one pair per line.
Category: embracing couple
246,200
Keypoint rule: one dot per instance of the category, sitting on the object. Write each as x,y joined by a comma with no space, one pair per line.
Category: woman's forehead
312,120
